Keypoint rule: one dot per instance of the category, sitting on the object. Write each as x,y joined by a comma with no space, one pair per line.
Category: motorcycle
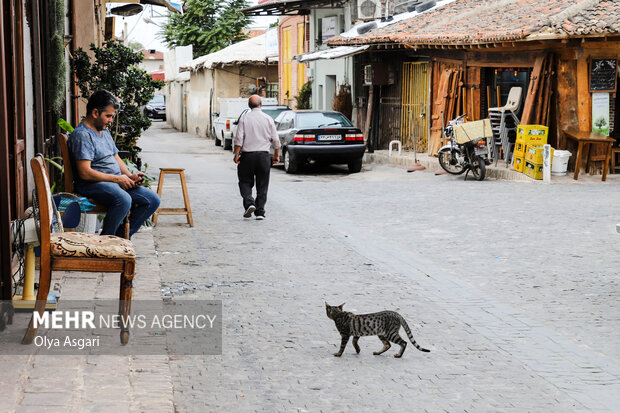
464,154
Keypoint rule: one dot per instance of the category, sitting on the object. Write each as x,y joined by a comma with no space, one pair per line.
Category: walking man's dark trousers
254,164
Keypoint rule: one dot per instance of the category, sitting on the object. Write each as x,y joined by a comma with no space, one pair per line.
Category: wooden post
368,116
584,98
499,96
489,97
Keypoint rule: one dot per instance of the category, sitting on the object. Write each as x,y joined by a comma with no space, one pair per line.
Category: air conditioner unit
368,9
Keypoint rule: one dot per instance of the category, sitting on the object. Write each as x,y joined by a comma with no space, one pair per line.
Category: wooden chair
66,161
74,251
614,165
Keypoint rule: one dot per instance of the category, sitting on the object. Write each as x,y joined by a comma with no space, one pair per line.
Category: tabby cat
384,324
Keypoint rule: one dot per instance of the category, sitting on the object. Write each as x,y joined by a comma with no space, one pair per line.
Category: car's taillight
228,125
482,143
354,137
304,138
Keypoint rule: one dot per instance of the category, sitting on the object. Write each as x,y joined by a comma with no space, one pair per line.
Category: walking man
256,133
101,173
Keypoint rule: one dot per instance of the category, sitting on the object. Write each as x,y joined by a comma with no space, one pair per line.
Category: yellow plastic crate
520,147
518,163
533,134
534,153
533,170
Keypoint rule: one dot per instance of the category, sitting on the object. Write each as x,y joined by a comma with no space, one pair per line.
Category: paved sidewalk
406,159
41,383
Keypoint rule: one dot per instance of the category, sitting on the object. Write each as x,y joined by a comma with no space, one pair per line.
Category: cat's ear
341,305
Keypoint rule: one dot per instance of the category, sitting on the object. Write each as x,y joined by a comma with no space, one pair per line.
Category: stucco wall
227,82
198,102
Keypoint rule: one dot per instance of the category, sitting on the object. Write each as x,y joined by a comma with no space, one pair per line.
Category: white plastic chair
513,102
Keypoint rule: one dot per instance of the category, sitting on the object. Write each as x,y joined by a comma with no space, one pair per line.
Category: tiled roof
487,21
152,54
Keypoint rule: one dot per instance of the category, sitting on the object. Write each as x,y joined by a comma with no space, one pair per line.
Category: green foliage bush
305,93
115,69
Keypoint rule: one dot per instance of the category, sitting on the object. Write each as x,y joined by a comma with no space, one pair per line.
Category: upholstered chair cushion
78,244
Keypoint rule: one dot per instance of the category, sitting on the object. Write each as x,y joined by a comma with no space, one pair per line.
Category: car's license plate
330,137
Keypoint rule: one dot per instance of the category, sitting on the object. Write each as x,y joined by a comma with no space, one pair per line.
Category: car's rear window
273,112
320,119
157,100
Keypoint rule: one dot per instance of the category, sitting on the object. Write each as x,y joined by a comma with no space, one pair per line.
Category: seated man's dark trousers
254,165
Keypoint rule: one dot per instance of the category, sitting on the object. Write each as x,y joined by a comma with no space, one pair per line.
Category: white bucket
560,162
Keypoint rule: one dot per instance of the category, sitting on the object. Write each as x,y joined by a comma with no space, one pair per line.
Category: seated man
102,175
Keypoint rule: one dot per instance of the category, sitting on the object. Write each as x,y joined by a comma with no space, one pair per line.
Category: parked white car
224,123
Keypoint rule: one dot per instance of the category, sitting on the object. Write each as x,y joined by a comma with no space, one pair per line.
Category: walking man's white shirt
256,132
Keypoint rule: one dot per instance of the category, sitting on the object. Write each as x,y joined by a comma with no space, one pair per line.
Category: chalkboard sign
603,75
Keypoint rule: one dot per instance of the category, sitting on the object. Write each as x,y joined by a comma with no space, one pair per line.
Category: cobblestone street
513,286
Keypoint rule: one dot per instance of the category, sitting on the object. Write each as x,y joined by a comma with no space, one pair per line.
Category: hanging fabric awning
335,53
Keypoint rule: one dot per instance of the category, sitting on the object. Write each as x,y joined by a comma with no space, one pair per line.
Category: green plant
342,101
59,182
64,125
115,69
305,93
56,65
207,25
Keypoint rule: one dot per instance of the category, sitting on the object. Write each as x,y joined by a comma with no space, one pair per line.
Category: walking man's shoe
248,212
260,217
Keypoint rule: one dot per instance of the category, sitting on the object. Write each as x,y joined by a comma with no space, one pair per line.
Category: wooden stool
174,211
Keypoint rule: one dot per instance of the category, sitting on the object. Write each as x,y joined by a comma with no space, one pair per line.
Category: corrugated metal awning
335,53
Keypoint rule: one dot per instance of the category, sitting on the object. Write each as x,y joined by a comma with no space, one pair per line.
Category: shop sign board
271,42
603,75
329,27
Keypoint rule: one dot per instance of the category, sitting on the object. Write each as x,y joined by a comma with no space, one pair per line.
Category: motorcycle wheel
478,169
450,162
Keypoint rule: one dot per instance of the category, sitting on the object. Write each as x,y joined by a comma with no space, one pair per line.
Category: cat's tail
408,331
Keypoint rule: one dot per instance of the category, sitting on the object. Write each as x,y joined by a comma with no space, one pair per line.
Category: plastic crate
533,170
533,134
534,153
520,147
518,163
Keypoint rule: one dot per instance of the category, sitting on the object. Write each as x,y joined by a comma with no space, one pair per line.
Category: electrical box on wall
378,74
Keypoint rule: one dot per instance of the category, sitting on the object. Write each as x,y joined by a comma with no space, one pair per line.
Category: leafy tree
115,69
305,93
135,45
207,25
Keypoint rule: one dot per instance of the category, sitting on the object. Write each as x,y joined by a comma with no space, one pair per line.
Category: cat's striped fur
384,324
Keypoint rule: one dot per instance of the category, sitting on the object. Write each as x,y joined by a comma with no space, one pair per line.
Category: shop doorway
414,117
498,82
